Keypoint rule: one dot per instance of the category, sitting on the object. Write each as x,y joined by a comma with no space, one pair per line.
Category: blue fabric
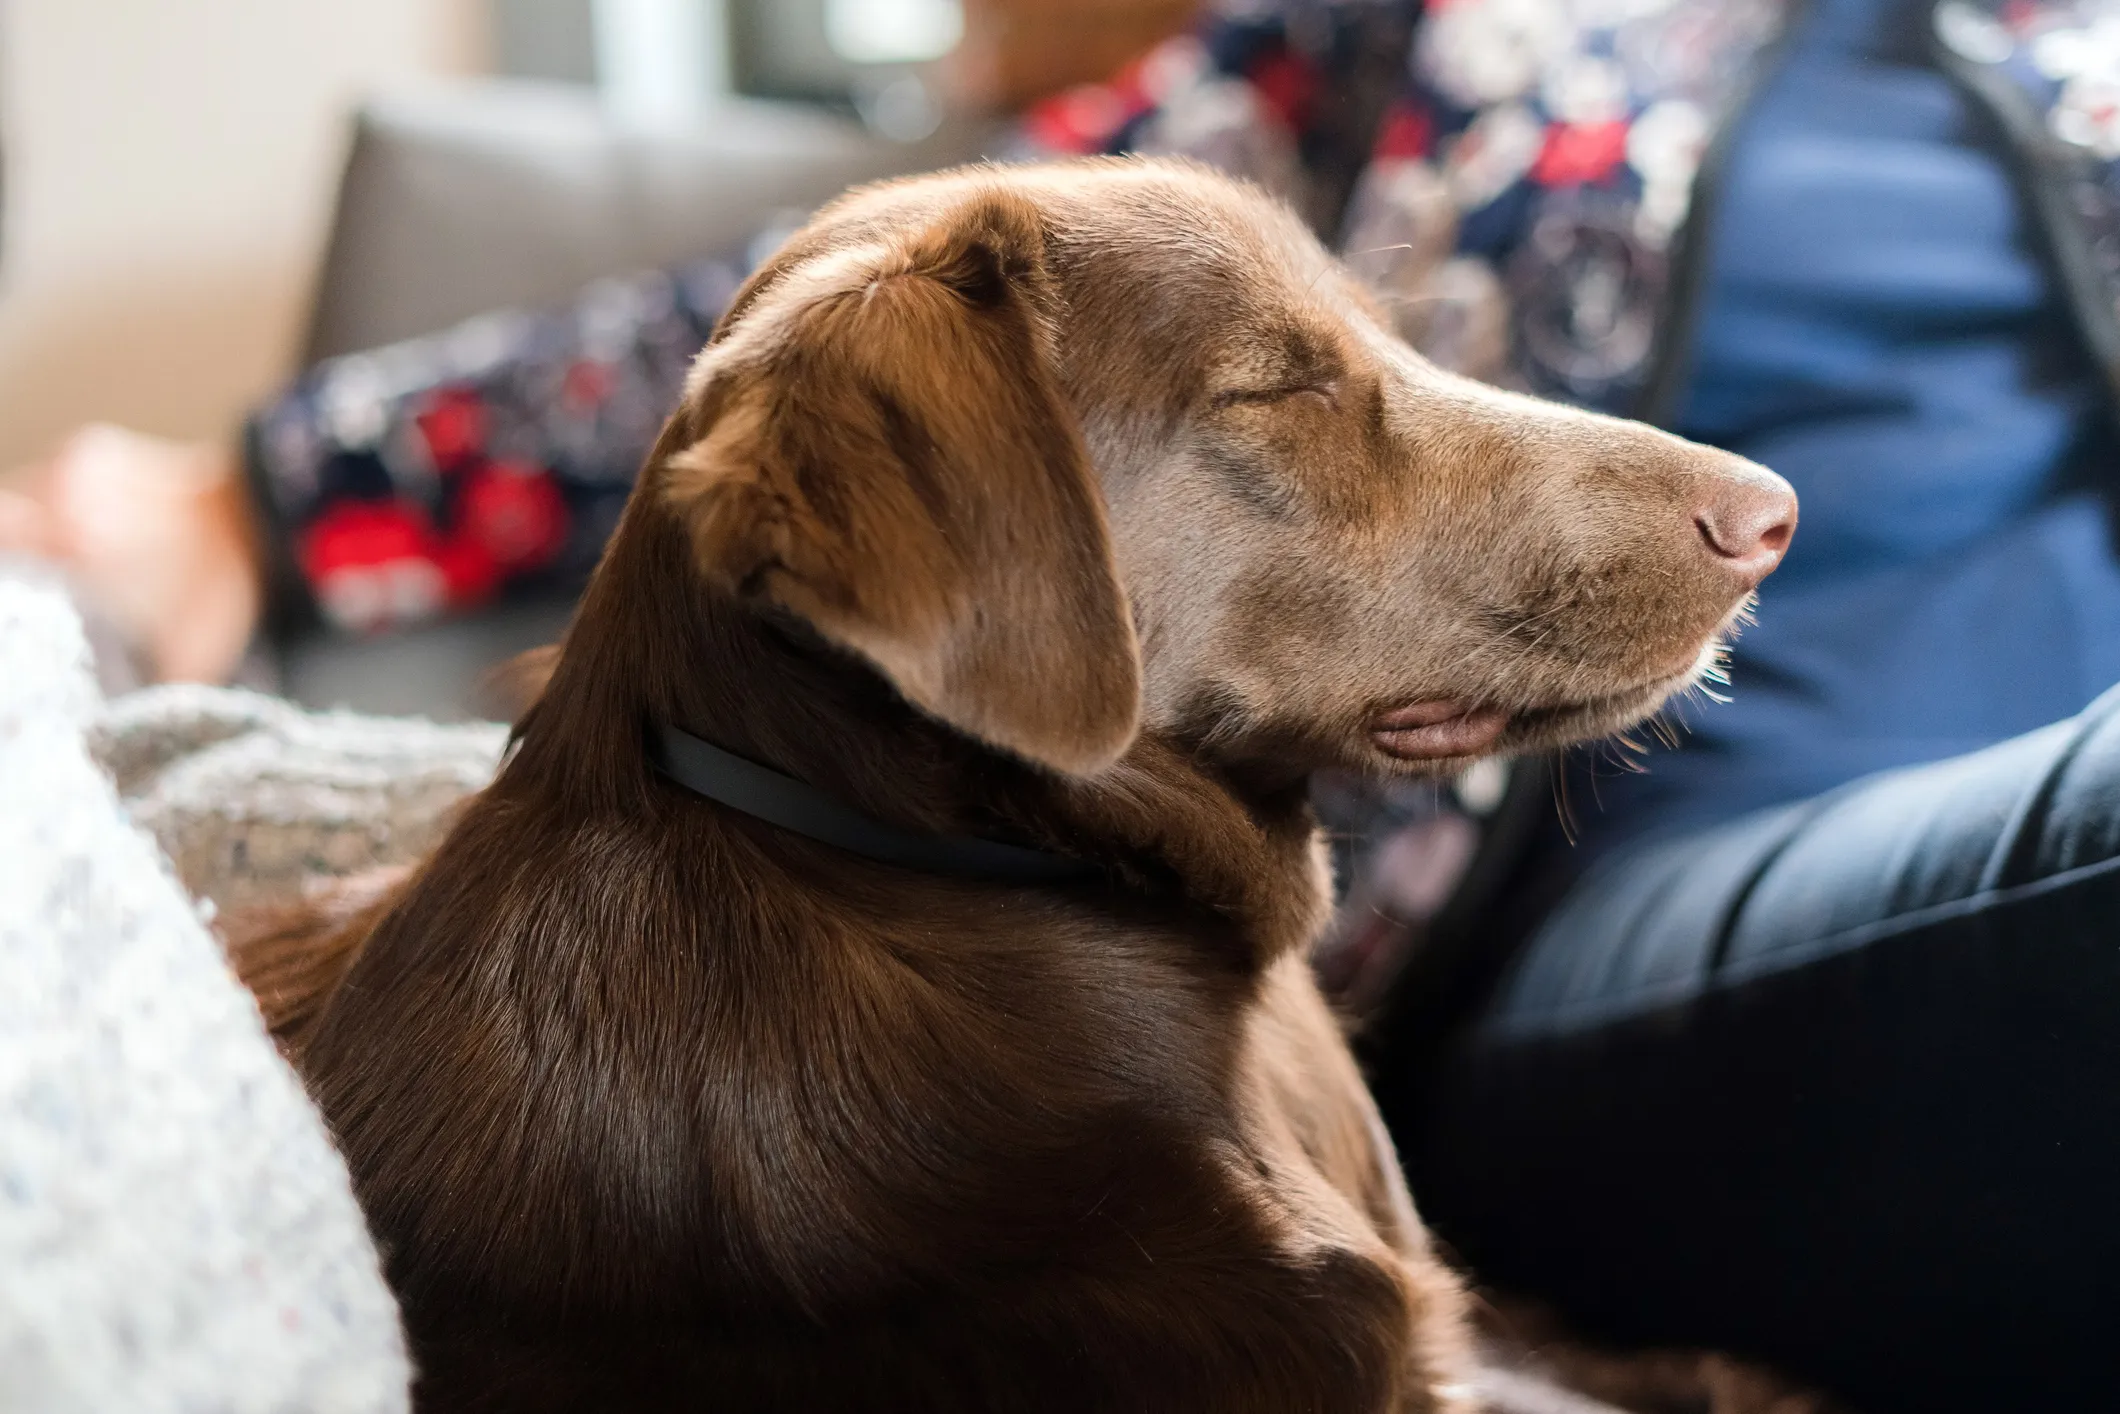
1878,327
1817,1084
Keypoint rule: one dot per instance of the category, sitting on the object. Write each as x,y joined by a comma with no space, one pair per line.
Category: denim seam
2027,821
1726,930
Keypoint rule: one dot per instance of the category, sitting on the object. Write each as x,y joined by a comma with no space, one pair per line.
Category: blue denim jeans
1836,1085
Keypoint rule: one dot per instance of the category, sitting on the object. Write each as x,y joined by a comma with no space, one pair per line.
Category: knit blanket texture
176,1231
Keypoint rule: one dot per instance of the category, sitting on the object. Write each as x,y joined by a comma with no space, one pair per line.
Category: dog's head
1069,451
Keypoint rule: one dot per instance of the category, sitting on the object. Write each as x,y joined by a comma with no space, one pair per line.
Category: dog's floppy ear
885,452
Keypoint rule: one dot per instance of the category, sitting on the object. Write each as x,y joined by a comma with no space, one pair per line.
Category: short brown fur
1086,507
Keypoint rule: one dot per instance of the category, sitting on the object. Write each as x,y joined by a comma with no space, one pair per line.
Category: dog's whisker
1393,300
1512,630
1563,809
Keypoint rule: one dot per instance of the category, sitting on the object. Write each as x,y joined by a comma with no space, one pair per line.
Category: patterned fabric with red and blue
1558,141
428,476
1276,91
1520,195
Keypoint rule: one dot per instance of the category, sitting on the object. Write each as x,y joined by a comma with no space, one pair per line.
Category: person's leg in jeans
1836,1086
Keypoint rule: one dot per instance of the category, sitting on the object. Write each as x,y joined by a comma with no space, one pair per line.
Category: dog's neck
653,643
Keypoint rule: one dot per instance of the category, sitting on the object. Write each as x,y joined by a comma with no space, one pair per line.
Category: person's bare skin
156,537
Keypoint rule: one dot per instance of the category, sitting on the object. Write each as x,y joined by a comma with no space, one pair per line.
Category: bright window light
658,60
893,31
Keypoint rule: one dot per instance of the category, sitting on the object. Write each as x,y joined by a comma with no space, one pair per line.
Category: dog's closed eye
1327,393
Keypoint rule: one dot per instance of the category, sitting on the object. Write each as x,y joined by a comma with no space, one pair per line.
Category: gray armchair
487,195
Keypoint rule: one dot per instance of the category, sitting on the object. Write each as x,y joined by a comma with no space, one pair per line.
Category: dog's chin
1572,723
1448,737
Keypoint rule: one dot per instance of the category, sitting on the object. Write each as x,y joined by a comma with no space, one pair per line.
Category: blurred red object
515,512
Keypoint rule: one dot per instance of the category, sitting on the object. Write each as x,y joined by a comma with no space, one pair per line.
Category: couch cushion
469,197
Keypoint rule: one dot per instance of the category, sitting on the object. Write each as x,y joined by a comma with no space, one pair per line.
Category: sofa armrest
470,197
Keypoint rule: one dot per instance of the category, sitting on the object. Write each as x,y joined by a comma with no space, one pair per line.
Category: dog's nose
1747,519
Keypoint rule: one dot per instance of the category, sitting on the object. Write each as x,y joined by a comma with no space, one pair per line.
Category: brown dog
1083,507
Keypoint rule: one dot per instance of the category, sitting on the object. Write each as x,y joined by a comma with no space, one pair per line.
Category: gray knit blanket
176,1231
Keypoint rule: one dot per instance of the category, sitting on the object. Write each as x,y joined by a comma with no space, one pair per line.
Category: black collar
768,795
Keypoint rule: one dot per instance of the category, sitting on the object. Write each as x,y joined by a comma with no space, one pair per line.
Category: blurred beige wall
170,166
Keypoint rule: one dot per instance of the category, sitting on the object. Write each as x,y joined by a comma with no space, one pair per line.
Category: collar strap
766,794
